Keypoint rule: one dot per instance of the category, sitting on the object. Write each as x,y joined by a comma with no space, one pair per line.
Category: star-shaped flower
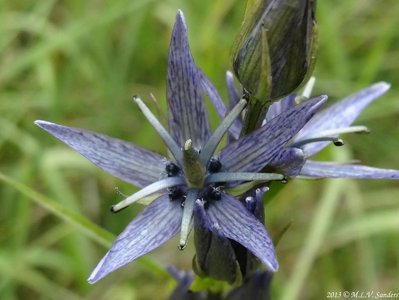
323,129
193,182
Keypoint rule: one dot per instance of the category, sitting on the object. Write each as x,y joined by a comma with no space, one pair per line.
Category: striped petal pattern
255,150
188,118
318,169
126,161
340,115
249,231
158,223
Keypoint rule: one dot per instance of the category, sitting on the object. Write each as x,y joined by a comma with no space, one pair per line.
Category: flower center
194,170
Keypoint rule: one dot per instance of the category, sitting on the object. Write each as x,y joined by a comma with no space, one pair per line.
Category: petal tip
229,75
180,17
382,86
42,124
319,102
273,266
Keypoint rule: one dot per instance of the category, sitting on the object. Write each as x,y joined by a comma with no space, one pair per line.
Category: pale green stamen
148,190
343,130
163,133
329,135
247,176
307,90
187,217
337,142
211,145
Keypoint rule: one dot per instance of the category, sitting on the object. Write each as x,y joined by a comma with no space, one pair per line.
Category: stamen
343,130
187,217
307,91
148,190
214,165
163,133
247,176
172,169
211,192
210,146
337,142
175,193
329,135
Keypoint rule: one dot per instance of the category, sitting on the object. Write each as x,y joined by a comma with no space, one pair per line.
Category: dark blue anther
214,165
172,170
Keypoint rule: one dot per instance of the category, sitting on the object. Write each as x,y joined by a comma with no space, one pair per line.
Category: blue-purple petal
188,118
213,94
158,223
289,161
336,170
249,231
126,161
214,254
280,106
234,97
257,149
341,114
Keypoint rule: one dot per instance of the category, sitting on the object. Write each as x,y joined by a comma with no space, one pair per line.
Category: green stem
255,114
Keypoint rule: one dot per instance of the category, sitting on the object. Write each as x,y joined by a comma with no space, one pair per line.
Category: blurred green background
79,62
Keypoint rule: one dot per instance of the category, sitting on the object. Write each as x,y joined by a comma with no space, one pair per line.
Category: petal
234,97
278,107
126,161
214,255
213,94
234,221
233,93
158,223
254,204
341,114
289,160
255,150
336,170
187,115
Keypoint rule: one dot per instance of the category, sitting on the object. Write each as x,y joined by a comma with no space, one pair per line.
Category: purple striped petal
214,255
255,150
233,220
158,223
341,114
290,161
278,107
213,94
234,97
126,161
335,170
188,118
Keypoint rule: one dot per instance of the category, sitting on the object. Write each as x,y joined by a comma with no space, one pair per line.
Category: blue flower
323,129
194,183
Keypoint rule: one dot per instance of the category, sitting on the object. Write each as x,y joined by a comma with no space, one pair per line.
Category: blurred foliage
79,62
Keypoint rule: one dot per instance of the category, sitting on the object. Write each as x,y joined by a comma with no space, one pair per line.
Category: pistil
193,169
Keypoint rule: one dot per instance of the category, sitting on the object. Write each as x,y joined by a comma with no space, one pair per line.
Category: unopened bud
275,50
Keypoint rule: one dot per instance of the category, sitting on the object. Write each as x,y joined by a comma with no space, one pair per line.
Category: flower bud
214,254
275,49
